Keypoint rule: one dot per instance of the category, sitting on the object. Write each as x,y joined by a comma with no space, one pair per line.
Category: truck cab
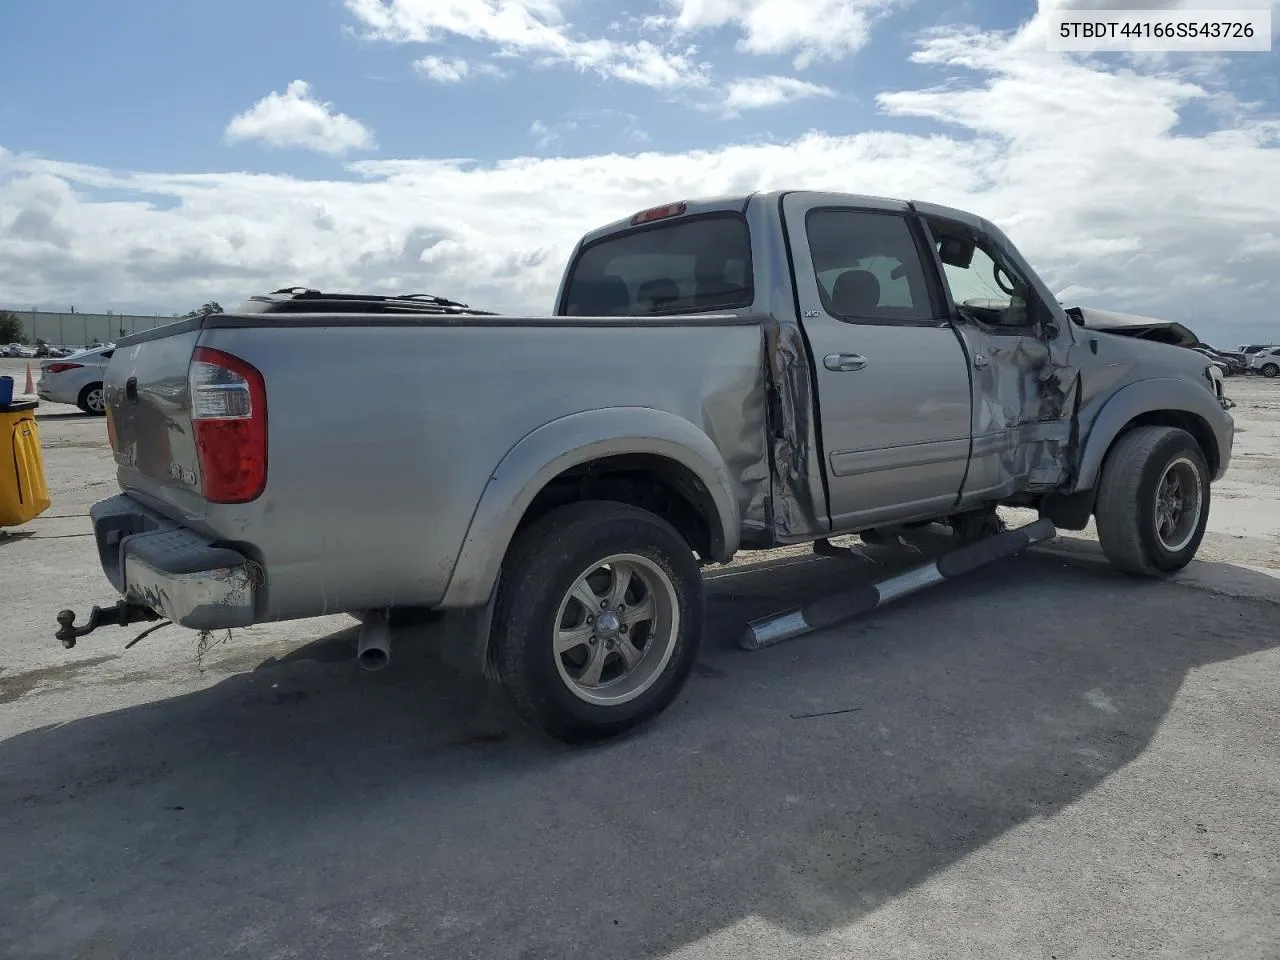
943,374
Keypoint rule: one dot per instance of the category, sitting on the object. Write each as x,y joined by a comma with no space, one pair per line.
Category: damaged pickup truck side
722,375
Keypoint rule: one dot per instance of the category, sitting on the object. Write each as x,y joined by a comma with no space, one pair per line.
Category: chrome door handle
980,361
844,361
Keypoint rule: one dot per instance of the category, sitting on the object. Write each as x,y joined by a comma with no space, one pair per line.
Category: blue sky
107,72
127,132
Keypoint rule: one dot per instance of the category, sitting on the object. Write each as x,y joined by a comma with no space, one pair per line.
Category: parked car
718,375
77,379
19,350
1266,361
52,350
1222,365
1233,364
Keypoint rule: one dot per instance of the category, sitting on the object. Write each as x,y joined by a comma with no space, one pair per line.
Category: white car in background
1266,361
76,379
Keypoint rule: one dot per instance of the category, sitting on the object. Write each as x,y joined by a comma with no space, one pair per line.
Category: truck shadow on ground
309,808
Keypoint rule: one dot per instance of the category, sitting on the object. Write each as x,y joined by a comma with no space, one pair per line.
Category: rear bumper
54,392
152,561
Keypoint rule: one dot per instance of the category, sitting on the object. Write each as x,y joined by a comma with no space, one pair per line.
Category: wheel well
1183,420
653,483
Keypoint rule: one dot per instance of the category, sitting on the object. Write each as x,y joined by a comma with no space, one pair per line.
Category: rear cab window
698,264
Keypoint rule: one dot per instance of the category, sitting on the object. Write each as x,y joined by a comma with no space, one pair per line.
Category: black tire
1126,509
542,567
87,397
1270,369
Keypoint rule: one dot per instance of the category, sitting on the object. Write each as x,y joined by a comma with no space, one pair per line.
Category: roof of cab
737,202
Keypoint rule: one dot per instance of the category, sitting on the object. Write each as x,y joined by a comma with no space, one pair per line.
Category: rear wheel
598,619
92,400
1153,501
1270,369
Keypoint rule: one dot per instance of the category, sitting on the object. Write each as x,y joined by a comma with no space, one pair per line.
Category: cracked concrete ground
1045,760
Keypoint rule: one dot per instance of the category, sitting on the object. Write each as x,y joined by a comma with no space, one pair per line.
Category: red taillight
229,414
658,213
60,367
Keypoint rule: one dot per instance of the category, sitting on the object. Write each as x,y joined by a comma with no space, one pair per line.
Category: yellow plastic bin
23,492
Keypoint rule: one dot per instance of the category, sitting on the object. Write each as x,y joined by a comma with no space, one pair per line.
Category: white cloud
1077,161
602,125
453,69
529,28
755,93
808,29
546,137
296,119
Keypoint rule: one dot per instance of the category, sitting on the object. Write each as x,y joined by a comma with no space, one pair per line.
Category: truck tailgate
149,420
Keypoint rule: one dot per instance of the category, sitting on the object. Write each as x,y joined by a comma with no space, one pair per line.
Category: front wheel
598,619
1153,501
1270,370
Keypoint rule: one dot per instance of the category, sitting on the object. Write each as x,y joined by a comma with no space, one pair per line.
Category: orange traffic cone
31,384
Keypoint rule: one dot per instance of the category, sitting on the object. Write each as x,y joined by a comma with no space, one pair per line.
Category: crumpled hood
1133,325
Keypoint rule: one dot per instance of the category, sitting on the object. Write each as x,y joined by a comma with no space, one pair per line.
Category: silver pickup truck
720,375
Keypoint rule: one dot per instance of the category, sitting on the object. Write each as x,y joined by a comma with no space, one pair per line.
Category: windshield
684,266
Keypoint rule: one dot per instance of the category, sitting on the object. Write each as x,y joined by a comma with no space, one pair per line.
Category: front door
1020,350
893,381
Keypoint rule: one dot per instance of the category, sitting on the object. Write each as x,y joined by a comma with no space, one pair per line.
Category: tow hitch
121,614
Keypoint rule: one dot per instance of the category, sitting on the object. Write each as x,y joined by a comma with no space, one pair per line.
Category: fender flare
1148,396
543,454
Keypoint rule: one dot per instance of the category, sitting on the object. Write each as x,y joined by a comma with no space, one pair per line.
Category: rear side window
867,266
684,266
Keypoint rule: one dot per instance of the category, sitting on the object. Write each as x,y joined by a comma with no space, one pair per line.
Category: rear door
893,383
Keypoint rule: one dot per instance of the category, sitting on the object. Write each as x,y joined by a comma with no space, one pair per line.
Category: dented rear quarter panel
385,437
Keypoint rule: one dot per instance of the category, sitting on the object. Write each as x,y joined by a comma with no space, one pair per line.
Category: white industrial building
83,329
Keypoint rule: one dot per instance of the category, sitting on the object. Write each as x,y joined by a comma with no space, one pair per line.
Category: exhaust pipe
373,648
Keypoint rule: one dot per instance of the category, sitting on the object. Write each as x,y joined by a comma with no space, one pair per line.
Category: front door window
985,286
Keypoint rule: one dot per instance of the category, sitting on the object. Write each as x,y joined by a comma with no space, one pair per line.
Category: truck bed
374,469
